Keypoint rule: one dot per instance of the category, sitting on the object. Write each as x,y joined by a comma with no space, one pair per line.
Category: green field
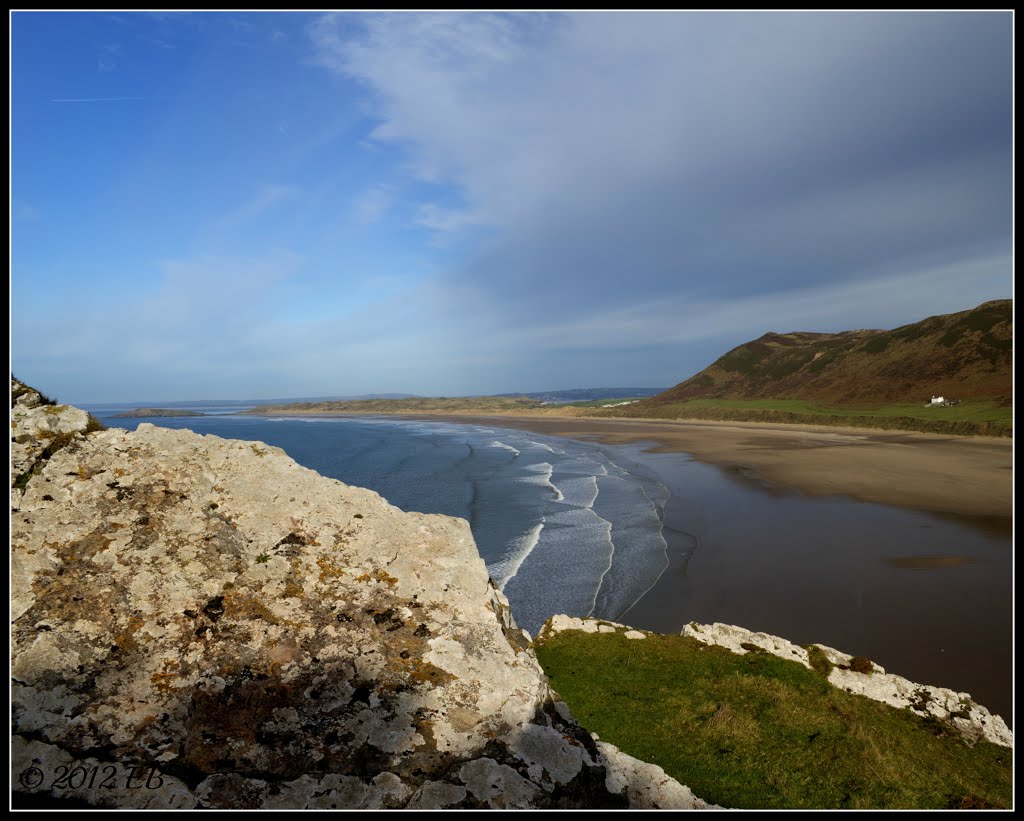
972,416
757,731
594,403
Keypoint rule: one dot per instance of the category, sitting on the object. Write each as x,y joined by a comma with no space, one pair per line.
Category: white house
938,400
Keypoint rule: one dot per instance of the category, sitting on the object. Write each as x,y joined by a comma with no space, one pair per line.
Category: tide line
611,561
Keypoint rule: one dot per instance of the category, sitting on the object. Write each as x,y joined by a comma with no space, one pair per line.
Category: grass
972,416
593,403
757,731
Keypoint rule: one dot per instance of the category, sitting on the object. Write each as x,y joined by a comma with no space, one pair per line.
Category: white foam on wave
497,444
646,558
582,466
548,448
584,525
544,471
579,491
505,570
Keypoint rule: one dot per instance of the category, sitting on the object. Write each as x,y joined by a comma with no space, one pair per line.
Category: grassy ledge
757,731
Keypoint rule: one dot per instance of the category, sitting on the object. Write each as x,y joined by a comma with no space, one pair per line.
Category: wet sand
964,475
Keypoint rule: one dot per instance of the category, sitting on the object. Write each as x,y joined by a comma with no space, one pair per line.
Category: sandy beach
964,475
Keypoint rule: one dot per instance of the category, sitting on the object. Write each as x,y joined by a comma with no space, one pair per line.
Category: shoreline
938,473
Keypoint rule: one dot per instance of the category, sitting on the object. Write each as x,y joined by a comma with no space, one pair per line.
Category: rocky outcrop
559,624
39,427
972,720
741,640
198,622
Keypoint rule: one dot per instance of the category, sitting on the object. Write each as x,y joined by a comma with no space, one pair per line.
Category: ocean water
656,540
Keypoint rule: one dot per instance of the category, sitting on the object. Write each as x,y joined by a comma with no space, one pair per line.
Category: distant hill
417,405
141,413
964,355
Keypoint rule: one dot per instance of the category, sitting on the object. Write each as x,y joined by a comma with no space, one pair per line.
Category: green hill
861,377
964,355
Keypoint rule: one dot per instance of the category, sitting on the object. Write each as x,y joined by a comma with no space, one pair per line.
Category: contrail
97,99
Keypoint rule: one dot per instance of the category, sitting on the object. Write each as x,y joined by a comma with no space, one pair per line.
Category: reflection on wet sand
928,562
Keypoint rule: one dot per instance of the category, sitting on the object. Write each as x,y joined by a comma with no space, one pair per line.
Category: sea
656,540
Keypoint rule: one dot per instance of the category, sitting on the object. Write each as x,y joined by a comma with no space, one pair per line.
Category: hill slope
963,355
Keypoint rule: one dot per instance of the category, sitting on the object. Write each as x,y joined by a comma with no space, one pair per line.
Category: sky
261,205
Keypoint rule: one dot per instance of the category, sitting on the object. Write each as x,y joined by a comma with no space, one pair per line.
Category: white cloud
683,156
878,302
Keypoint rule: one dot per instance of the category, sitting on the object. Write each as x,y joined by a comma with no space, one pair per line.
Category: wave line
509,569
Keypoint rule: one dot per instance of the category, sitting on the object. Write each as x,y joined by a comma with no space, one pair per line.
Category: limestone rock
560,623
838,658
35,427
259,636
647,785
733,638
972,720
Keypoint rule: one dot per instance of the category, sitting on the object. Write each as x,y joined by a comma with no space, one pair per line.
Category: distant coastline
155,412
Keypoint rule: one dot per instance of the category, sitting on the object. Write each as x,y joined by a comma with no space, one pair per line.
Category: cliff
199,622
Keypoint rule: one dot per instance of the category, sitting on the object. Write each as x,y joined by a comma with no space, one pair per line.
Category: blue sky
231,205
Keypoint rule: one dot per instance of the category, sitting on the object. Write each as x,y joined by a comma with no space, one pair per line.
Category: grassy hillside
757,731
861,378
965,355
